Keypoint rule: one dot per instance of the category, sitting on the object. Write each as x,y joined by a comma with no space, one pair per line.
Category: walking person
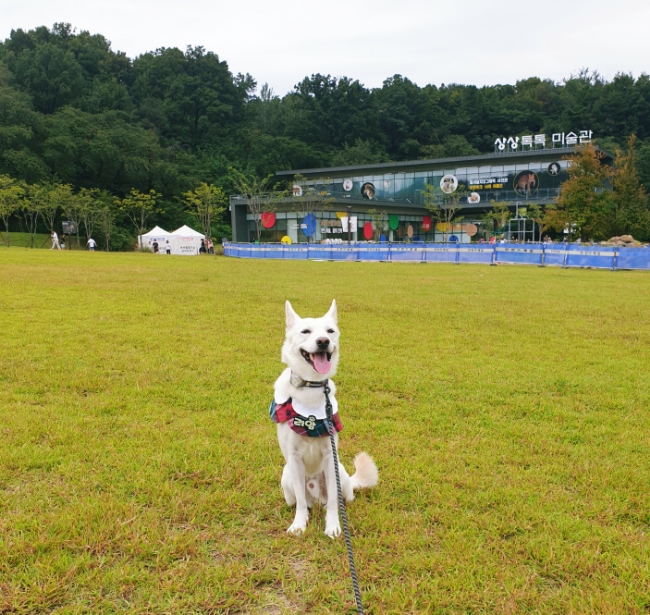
91,243
55,240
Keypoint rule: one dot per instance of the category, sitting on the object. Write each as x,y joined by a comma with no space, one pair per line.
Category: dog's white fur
308,475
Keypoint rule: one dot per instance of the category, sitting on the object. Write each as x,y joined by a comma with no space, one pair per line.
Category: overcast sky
478,42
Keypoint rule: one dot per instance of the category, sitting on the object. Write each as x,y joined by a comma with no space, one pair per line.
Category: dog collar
299,383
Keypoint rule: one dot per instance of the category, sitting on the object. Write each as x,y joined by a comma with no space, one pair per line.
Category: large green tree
630,215
584,207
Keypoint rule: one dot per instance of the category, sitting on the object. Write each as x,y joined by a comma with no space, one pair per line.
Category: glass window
535,166
398,183
508,167
497,169
521,167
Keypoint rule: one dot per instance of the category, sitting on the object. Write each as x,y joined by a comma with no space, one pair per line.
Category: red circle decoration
426,223
268,219
367,230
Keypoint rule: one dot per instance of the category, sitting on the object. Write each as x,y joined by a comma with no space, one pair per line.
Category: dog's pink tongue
321,363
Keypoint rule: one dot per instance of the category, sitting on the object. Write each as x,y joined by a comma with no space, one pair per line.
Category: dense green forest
73,111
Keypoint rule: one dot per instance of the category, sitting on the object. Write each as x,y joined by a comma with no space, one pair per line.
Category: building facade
408,200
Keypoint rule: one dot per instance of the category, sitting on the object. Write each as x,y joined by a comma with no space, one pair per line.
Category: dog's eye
330,330
306,331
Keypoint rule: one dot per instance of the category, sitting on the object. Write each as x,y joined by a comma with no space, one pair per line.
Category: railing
553,254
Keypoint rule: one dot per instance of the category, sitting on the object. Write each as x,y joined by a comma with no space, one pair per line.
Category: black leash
346,531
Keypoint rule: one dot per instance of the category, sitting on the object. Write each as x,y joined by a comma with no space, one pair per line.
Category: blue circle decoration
453,239
309,225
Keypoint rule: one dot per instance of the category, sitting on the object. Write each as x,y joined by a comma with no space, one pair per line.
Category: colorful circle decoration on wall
309,225
393,221
286,240
368,191
297,190
367,230
426,223
443,227
448,184
554,168
268,219
526,183
387,183
474,198
348,184
409,231
470,229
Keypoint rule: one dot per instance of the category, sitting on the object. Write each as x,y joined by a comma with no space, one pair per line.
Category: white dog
311,351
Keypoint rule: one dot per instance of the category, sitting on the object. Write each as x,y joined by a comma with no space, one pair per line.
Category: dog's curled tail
366,475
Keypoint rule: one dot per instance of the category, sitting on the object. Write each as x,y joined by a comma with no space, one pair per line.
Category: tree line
74,112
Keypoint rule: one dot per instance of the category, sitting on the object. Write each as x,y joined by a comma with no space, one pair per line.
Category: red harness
304,426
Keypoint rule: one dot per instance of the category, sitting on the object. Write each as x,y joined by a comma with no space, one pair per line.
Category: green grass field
506,408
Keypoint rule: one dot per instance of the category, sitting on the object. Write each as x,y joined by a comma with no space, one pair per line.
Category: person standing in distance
91,243
55,240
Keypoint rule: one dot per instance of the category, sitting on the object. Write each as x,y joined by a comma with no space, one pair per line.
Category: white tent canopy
156,231
155,234
186,231
186,241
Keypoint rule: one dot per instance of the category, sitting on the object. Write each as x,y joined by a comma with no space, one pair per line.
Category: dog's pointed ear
291,315
331,313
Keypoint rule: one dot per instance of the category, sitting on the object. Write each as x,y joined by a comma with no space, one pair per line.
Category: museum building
405,198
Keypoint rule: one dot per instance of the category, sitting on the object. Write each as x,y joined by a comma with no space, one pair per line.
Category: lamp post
349,208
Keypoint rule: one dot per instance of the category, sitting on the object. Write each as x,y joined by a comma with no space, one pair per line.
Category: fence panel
343,252
441,253
295,253
590,256
479,254
521,254
273,251
633,258
372,252
407,253
318,251
555,254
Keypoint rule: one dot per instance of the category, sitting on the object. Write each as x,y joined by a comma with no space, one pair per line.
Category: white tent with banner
185,241
155,234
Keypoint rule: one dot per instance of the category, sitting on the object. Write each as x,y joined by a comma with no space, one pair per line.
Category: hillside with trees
80,118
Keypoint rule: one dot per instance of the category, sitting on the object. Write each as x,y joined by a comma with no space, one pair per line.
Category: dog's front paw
332,527
298,526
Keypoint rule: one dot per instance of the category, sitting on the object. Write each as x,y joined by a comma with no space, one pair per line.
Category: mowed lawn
506,408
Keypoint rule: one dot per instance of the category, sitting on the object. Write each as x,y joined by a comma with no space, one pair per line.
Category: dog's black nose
323,342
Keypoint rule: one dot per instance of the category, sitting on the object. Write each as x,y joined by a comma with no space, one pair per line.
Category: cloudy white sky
477,42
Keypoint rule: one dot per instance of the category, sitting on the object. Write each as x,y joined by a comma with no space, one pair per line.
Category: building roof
413,165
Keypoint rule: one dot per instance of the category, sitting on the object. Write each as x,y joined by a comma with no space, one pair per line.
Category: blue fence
561,255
